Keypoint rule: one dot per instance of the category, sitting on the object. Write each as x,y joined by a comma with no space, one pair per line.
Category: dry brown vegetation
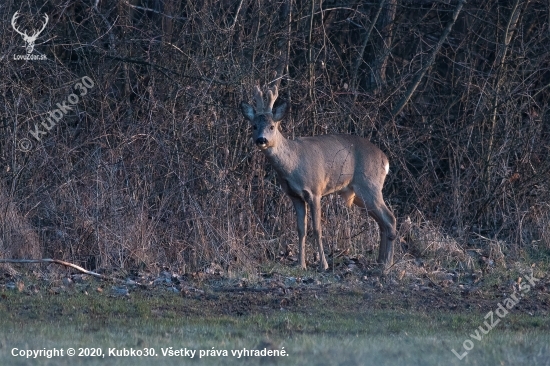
153,166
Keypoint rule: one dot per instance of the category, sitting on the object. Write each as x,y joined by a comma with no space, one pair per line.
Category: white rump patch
387,168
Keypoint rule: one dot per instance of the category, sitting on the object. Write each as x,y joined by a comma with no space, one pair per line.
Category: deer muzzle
261,142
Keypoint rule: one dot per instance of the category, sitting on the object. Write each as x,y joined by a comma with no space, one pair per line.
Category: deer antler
258,98
36,33
272,95
13,19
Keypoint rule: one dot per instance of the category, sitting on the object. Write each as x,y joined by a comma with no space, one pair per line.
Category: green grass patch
333,329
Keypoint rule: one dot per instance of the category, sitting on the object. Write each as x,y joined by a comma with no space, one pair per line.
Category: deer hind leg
348,195
315,205
377,209
301,219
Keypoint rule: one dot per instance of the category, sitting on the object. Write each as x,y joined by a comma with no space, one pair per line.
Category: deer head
30,40
265,122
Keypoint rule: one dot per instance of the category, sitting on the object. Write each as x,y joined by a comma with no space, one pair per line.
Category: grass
332,329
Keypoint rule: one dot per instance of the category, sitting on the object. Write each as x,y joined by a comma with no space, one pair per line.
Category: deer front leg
301,219
317,231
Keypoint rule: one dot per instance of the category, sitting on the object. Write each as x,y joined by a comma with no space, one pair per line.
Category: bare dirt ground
408,286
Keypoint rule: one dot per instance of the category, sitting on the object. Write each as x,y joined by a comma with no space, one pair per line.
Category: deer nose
261,141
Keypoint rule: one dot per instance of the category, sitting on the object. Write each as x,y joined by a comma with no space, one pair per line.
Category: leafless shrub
153,166
17,237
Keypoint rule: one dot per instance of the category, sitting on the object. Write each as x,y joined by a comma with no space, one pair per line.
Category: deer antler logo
30,40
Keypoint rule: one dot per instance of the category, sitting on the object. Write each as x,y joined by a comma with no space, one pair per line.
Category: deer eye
272,128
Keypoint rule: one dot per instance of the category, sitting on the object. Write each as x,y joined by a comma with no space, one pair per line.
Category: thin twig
236,15
163,14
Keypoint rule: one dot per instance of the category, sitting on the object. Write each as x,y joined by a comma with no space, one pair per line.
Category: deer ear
248,111
279,112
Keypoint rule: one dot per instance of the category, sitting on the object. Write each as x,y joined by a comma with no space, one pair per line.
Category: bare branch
412,87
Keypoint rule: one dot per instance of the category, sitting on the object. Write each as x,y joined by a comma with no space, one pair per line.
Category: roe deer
311,167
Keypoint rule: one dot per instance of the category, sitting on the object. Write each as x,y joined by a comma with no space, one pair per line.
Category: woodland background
154,166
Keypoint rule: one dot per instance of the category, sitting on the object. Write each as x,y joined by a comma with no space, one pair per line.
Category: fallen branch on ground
49,260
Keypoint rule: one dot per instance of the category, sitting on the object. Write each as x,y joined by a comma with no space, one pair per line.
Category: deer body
312,167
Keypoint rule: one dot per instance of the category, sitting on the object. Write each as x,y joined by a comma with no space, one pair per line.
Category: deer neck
283,155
